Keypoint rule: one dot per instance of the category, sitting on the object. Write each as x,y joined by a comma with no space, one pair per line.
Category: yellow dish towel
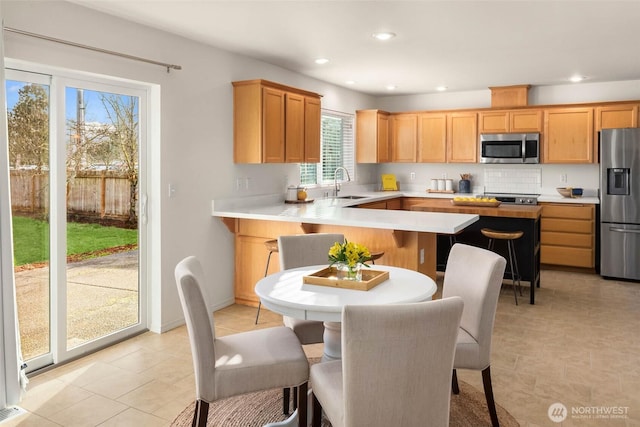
389,182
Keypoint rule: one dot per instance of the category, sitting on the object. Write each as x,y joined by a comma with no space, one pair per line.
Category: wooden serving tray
440,191
470,203
299,201
328,277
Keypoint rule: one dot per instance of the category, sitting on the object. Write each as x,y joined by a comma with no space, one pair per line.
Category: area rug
468,409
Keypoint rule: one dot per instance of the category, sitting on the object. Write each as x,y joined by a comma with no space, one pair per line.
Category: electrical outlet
563,177
412,176
172,191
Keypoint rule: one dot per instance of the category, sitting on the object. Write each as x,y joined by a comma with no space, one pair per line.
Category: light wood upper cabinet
312,120
611,117
432,138
510,121
372,136
462,137
617,116
568,135
273,123
294,129
404,136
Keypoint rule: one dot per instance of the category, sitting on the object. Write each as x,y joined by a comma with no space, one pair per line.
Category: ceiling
463,45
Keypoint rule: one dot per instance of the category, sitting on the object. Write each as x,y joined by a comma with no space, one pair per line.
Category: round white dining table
285,293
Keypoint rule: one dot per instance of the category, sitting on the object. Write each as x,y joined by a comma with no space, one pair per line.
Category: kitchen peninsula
407,238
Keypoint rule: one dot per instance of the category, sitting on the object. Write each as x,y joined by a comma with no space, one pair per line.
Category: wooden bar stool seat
509,237
376,255
271,246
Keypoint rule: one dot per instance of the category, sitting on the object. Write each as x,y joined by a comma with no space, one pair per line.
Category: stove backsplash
513,180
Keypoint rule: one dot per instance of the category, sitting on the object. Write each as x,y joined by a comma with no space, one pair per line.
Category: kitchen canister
464,186
448,184
441,185
434,185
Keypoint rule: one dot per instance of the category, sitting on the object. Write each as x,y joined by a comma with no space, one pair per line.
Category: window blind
337,147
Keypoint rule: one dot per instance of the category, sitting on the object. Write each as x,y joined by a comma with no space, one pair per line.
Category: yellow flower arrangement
349,253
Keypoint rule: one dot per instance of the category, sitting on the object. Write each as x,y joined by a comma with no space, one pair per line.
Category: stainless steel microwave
510,148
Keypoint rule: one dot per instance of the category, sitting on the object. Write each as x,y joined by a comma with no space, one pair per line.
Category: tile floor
579,346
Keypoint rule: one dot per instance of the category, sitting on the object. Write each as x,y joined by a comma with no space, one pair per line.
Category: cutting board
389,182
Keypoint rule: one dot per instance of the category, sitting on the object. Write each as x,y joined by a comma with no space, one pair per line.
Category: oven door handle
624,230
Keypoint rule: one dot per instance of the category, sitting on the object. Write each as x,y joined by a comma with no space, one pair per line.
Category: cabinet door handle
622,230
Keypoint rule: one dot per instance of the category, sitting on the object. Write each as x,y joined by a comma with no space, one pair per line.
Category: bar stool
376,255
272,246
509,236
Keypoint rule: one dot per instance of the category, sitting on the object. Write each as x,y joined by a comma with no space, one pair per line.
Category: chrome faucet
336,185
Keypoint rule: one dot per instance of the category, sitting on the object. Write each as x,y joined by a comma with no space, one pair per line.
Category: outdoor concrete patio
102,297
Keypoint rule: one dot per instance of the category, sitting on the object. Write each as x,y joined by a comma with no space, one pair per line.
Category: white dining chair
239,363
475,275
395,368
301,250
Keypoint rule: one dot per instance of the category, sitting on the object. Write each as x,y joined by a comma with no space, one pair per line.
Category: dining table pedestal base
332,341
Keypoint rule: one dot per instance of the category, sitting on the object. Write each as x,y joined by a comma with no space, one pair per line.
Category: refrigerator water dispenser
618,180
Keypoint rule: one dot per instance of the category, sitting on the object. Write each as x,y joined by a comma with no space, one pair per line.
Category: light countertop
333,211
337,211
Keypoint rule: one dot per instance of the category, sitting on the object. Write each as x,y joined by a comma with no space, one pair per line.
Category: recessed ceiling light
321,61
441,88
392,87
576,79
350,82
384,36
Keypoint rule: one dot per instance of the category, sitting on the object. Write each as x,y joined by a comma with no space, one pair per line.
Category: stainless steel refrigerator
620,203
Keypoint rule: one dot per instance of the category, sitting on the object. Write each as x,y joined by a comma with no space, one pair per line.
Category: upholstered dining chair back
396,366
299,251
475,275
200,326
238,363
306,249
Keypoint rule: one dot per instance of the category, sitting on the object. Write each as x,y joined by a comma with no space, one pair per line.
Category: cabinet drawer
566,225
570,212
566,239
570,257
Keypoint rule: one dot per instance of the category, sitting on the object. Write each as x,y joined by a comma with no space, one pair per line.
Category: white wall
195,146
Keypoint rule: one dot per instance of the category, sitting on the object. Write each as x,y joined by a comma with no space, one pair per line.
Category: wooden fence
95,196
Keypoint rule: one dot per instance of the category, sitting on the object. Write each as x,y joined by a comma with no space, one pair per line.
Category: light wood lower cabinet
406,249
568,235
391,204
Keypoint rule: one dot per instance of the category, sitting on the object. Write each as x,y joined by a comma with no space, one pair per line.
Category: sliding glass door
29,126
76,150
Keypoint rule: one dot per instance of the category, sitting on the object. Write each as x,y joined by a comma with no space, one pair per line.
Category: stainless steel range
515,199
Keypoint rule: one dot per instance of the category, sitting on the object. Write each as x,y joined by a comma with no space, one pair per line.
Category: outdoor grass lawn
31,237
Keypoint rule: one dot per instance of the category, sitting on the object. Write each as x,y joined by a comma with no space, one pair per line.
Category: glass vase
346,272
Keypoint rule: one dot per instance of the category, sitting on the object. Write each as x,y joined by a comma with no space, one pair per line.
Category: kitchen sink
351,197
